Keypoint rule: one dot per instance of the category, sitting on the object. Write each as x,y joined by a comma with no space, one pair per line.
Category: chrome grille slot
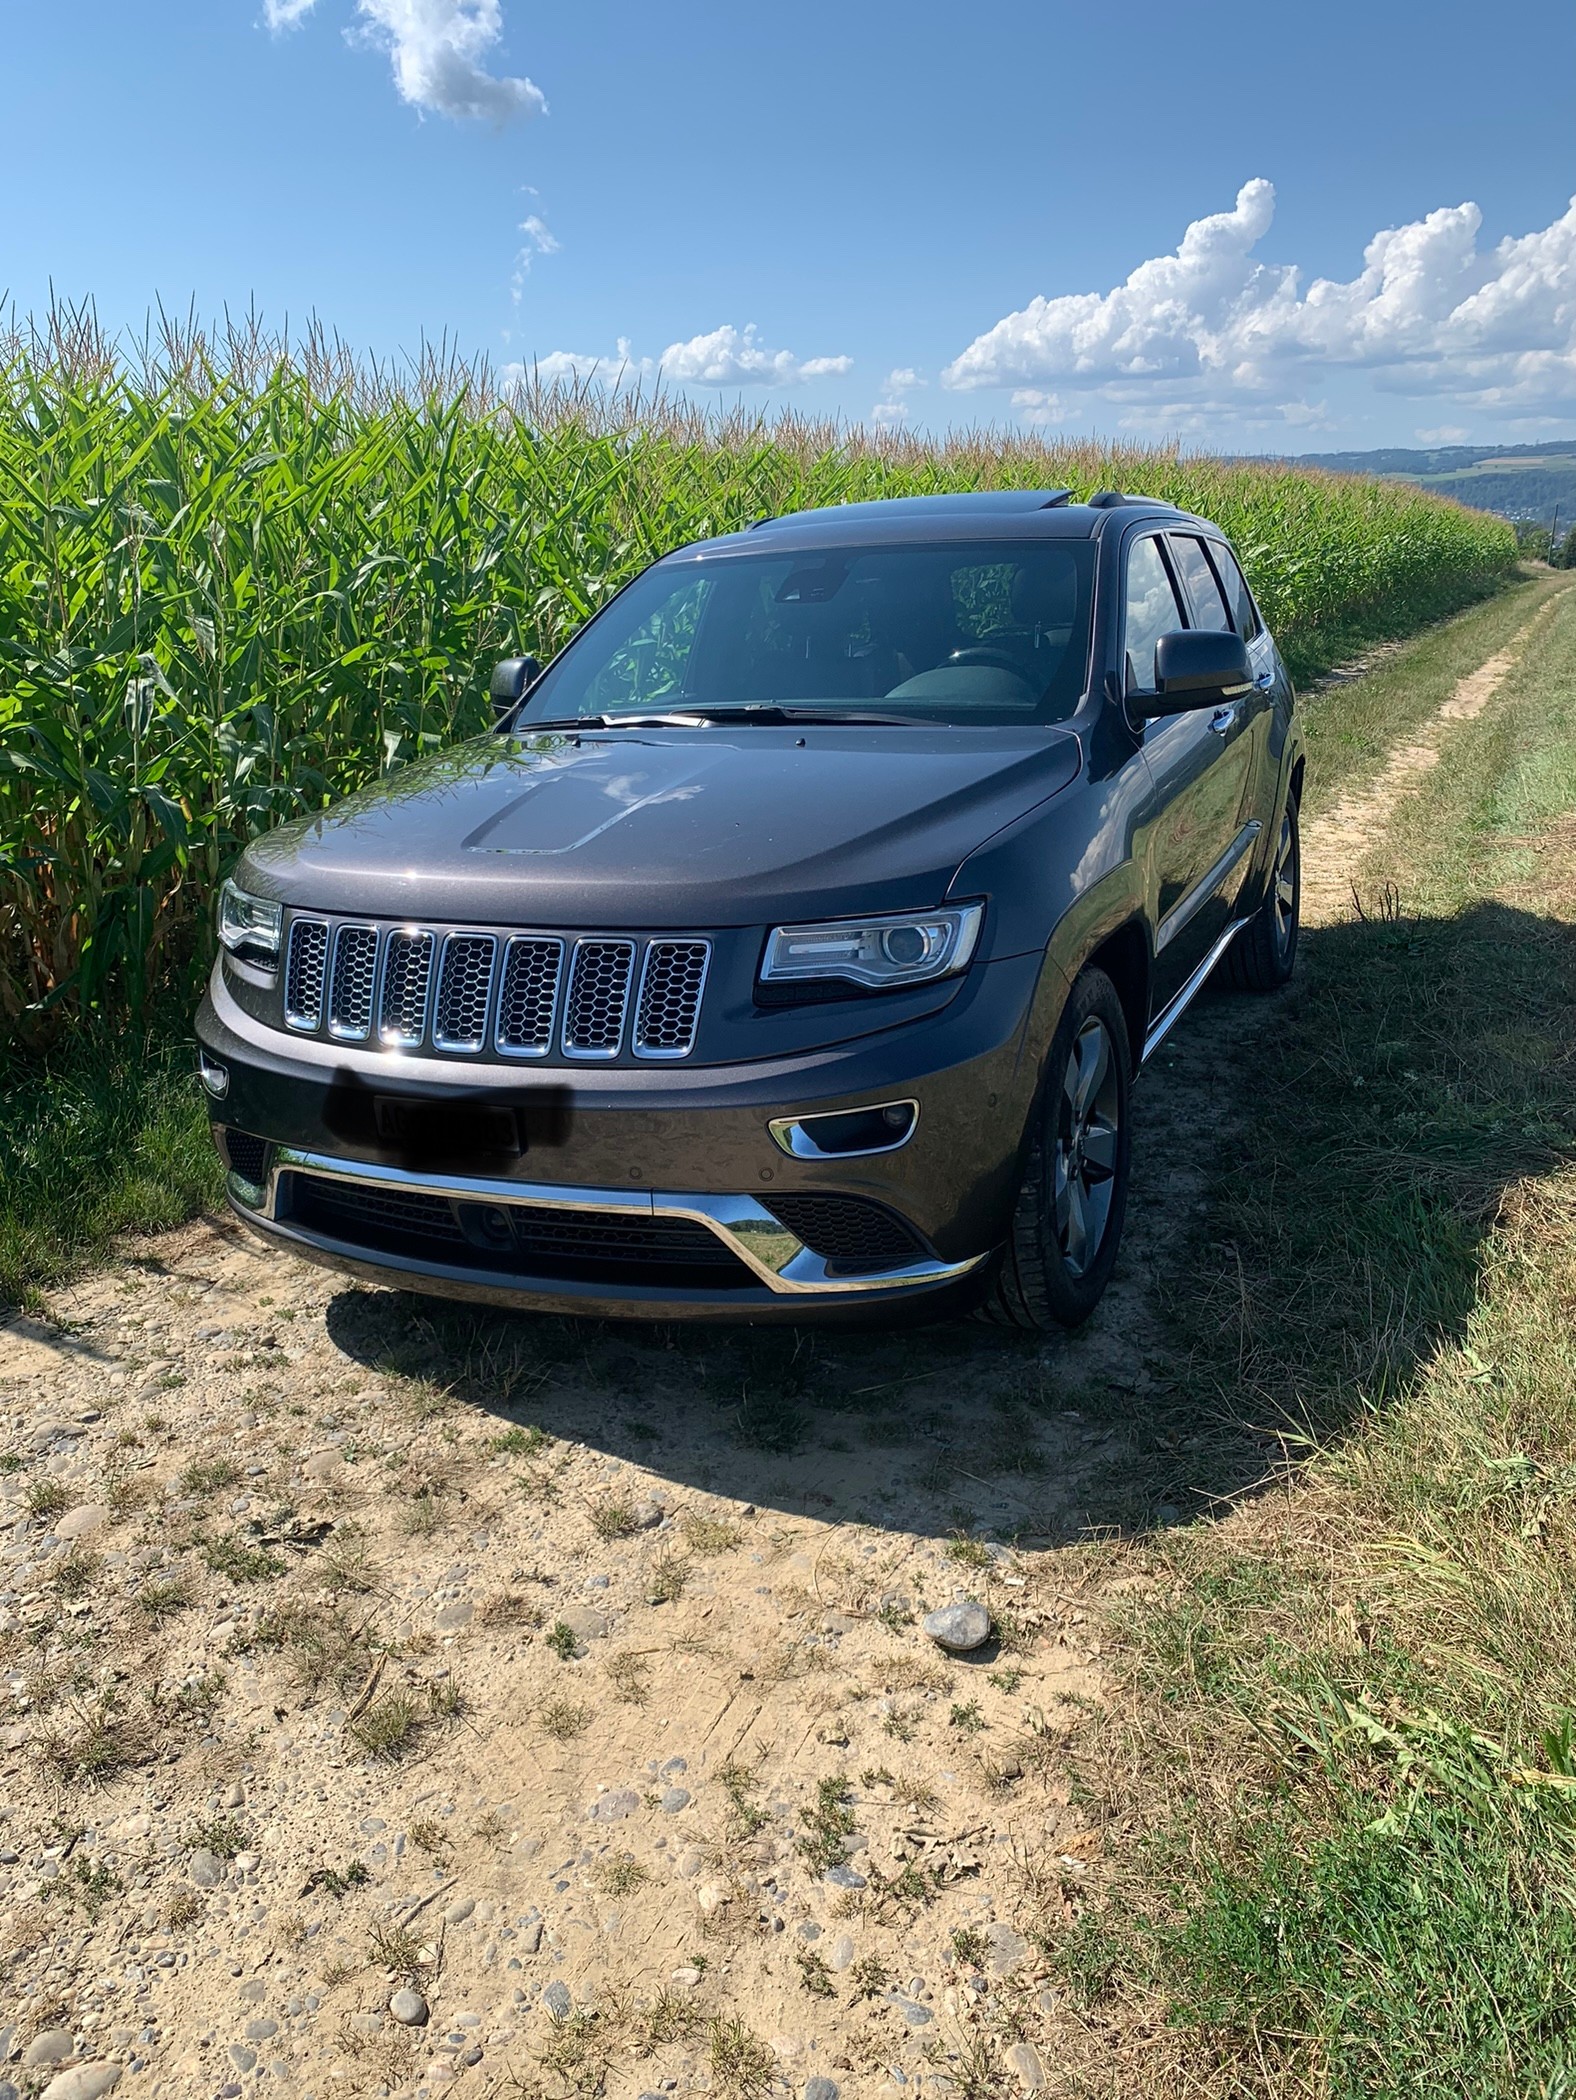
465,975
306,966
671,983
351,982
598,996
466,992
407,976
528,999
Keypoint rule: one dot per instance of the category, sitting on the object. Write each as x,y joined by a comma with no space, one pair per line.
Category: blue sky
920,212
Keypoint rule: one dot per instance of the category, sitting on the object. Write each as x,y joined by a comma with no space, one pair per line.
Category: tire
1264,954
1067,1226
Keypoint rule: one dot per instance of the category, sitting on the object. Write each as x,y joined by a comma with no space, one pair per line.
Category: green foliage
104,1134
828,1825
236,583
1421,1947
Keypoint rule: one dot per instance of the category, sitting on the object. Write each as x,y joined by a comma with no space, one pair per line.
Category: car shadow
1315,1175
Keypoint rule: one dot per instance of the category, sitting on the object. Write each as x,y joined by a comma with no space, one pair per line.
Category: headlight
879,954
249,927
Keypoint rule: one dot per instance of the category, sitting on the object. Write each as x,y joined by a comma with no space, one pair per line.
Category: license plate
439,1129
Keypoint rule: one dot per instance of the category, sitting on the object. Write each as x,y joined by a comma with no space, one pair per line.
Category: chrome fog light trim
214,1076
847,1133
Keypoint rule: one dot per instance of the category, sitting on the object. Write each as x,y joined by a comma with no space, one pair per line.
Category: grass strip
1349,1747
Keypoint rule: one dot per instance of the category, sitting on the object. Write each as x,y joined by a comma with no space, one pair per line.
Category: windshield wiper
765,715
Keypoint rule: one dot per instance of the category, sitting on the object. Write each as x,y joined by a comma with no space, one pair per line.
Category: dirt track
569,1676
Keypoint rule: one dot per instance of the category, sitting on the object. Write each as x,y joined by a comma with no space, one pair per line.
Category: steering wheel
994,659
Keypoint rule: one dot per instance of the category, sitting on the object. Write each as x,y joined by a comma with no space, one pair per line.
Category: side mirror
511,681
1196,668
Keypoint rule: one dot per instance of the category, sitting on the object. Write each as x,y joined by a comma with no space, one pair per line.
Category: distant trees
1546,543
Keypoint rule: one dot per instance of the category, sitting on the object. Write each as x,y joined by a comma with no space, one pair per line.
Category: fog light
214,1076
851,1133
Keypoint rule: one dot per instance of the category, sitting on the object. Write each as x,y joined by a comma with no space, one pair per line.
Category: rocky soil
401,1699
398,1698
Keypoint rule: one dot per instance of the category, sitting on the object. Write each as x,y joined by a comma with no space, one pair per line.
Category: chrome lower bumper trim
768,1249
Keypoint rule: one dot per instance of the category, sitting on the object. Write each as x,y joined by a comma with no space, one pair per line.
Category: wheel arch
1125,958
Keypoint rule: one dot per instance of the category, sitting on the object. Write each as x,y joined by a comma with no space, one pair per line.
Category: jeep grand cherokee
789,946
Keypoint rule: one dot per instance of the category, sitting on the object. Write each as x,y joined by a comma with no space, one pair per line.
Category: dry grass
97,1740
742,2065
563,1719
620,1874
629,1673
612,1520
704,1534
669,1578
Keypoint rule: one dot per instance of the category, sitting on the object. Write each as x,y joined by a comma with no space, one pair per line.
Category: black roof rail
1004,500
1113,499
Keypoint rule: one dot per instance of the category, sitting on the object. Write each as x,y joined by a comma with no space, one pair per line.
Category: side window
653,662
1243,616
1152,611
1209,607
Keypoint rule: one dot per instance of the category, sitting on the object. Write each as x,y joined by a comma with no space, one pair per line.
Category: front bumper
641,1158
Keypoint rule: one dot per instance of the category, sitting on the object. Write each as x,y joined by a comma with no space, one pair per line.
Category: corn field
239,577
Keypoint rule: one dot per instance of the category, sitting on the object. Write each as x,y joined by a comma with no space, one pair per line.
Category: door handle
1223,721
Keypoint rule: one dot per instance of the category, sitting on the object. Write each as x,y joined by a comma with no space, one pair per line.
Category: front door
1198,844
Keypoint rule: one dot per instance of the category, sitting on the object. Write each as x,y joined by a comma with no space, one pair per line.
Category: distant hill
1517,481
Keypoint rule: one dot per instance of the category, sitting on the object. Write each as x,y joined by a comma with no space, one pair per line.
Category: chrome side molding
1201,892
1166,1020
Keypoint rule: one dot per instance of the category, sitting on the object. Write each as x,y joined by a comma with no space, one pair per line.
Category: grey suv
789,947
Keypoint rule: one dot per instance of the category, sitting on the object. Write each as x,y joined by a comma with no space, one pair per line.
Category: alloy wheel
1084,1163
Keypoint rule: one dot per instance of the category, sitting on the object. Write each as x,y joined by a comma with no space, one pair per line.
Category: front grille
354,974
529,998
513,1239
469,992
671,983
598,994
850,1234
465,974
407,972
305,969
246,1155
360,1214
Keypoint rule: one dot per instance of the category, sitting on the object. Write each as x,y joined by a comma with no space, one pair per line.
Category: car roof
993,514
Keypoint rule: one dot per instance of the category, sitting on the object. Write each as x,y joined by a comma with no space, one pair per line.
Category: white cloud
727,357
894,408
1429,313
1443,434
580,368
539,240
1036,406
437,48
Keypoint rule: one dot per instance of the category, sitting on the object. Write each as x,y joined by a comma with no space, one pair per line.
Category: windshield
974,633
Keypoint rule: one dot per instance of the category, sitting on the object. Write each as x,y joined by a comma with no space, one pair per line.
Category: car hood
704,827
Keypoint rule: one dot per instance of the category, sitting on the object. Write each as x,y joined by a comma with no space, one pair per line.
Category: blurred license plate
438,1127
